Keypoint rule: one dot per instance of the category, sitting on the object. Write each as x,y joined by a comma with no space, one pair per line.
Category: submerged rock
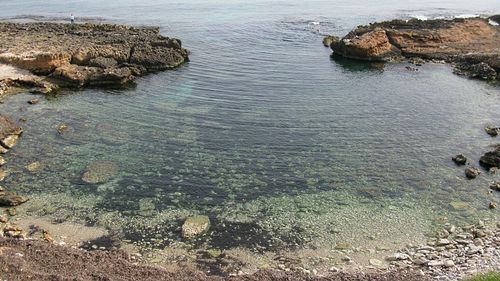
472,172
195,226
100,171
495,186
35,166
491,159
8,127
3,174
10,200
459,159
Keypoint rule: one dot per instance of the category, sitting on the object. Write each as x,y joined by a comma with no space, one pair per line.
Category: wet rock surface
471,44
88,54
491,159
472,172
459,159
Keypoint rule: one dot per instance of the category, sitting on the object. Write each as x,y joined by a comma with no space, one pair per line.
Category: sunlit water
262,131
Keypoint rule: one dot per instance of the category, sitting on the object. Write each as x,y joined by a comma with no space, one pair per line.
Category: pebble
397,257
443,242
376,262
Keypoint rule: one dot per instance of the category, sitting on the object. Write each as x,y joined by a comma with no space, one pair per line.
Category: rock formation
491,159
471,44
88,54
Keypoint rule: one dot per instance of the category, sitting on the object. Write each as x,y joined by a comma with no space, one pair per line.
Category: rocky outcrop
472,44
88,54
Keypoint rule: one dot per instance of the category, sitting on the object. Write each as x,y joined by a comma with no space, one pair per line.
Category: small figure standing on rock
72,19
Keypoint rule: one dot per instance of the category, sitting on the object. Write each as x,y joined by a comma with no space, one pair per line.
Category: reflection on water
279,145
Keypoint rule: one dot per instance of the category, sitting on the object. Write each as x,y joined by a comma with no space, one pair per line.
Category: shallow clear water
261,131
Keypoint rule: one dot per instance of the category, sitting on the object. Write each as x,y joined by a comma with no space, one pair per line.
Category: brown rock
12,200
493,205
2,161
470,43
10,141
472,172
88,54
33,101
372,46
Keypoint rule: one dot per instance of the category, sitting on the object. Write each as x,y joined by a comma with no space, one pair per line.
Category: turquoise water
262,131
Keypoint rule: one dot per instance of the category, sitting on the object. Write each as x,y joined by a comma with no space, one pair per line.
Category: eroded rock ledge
82,55
471,44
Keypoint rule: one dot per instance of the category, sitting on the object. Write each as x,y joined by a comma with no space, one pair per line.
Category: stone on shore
100,172
195,226
472,172
459,159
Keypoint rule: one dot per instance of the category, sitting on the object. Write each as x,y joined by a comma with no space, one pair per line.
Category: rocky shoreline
82,55
471,45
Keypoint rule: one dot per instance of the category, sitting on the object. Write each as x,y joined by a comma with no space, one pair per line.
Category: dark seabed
281,146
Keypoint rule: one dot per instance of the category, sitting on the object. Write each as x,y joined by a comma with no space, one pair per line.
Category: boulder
9,141
492,131
459,159
329,40
8,127
10,200
472,172
371,46
100,171
491,159
2,161
195,226
495,186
